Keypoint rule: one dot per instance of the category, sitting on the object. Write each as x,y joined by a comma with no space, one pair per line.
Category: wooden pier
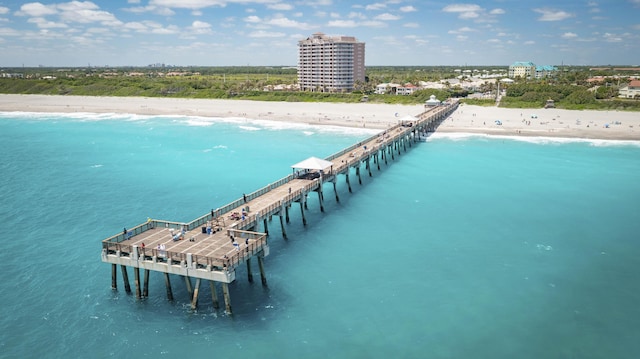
214,245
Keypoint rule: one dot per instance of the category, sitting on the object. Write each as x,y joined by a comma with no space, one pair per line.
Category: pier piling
145,287
214,294
167,282
227,297
125,279
114,276
196,290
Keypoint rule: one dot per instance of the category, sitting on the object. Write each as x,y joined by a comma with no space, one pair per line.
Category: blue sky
266,32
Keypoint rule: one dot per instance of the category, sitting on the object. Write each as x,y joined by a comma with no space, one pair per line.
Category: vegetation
570,89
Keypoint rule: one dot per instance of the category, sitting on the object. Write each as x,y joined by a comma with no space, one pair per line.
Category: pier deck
183,248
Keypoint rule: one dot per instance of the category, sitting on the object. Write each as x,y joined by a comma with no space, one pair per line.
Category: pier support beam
266,228
194,299
214,294
249,274
348,183
286,211
136,279
114,276
125,279
335,190
263,276
368,166
187,281
358,174
167,282
320,198
304,219
145,287
227,297
284,231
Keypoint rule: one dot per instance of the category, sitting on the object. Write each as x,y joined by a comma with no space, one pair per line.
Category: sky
266,32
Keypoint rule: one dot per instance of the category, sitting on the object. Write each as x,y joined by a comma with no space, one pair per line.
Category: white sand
544,123
467,119
338,114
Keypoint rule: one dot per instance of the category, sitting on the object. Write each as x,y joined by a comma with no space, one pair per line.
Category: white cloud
387,17
497,12
612,37
552,15
461,30
36,9
187,4
373,23
376,6
152,9
285,22
413,25
569,35
4,10
342,23
42,23
252,19
135,26
462,8
464,11
6,31
280,6
263,34
200,28
356,15
408,9
151,27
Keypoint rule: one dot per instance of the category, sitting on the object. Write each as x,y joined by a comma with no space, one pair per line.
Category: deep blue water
467,247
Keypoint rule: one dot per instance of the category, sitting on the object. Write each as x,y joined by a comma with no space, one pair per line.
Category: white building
630,91
330,64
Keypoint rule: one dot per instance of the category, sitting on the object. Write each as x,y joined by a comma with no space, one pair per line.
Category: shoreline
470,119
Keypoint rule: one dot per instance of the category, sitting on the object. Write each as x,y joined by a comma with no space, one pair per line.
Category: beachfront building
630,91
544,71
386,88
522,69
529,70
330,64
407,89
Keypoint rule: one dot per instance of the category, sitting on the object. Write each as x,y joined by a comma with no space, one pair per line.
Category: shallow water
464,247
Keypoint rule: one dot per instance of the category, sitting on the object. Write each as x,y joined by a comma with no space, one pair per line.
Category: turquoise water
464,247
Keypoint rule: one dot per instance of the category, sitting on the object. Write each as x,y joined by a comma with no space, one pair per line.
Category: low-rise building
630,91
406,89
529,70
522,69
544,71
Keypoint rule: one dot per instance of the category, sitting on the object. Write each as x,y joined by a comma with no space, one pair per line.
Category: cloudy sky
266,32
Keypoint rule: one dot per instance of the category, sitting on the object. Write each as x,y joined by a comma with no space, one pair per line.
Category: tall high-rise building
330,64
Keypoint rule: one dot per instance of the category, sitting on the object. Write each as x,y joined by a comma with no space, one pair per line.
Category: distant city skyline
266,32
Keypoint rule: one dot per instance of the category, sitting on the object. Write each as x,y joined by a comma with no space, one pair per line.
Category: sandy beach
606,125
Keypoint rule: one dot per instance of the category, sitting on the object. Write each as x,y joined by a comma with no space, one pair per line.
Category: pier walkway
214,245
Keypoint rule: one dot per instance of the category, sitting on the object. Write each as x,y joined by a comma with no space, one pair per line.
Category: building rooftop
523,63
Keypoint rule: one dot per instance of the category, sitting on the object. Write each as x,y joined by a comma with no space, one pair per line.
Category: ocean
461,247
